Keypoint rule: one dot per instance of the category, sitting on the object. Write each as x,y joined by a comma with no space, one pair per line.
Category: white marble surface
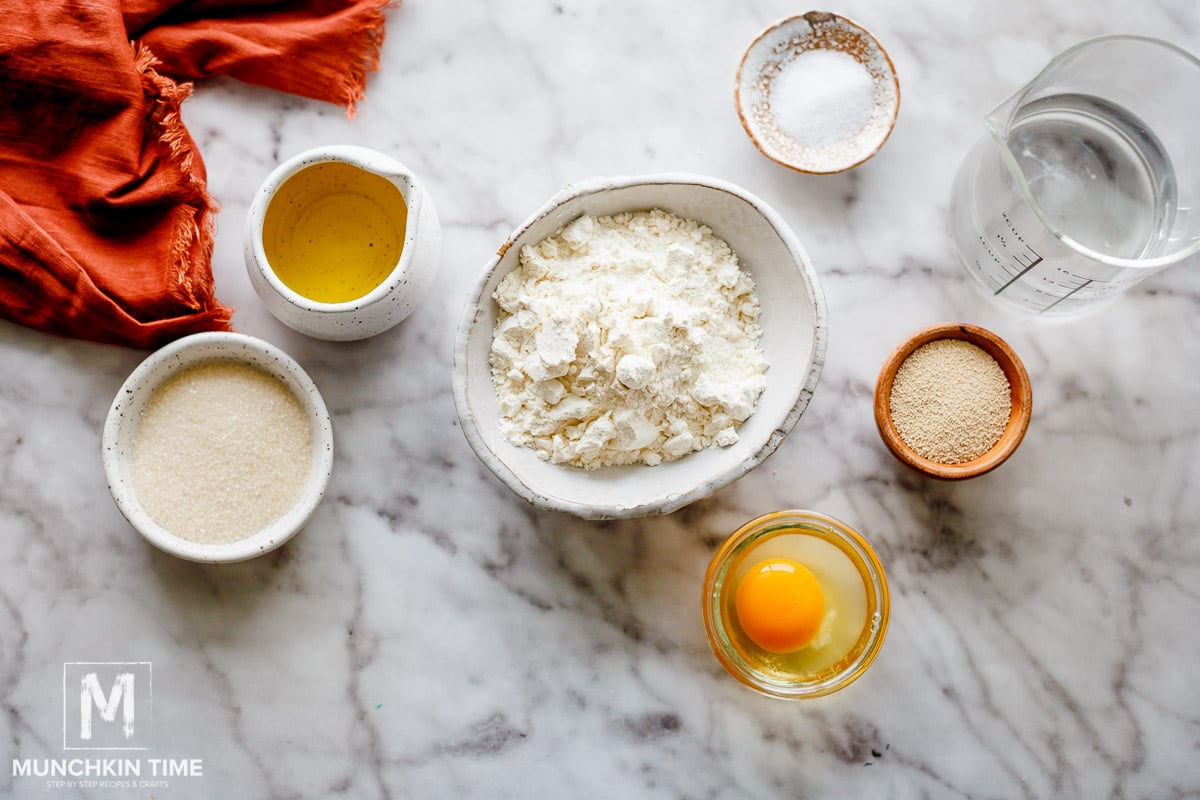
428,635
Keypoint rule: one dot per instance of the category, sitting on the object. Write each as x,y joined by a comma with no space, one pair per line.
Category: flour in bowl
626,339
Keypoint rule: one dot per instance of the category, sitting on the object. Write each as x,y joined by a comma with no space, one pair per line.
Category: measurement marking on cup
1068,294
1026,268
1015,232
991,252
1024,263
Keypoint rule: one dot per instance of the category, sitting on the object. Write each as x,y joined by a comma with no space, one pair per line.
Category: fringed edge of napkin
194,225
365,51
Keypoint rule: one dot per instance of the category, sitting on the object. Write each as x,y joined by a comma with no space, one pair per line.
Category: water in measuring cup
1099,174
1101,178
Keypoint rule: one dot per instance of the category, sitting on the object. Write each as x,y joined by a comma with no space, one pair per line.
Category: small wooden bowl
1018,420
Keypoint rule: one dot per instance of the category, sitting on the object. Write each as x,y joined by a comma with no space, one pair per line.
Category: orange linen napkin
105,216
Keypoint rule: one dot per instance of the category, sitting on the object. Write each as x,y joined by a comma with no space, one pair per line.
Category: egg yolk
780,605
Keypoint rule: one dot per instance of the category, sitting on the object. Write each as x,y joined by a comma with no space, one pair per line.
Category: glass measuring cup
1088,179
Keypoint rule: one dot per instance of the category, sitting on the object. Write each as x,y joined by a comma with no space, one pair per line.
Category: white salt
222,450
822,97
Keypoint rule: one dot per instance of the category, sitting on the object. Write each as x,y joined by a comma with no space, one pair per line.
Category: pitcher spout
999,120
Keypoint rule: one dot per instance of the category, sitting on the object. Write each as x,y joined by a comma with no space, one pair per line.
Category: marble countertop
429,635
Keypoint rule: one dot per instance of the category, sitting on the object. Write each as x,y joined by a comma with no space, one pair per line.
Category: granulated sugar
950,401
222,450
822,97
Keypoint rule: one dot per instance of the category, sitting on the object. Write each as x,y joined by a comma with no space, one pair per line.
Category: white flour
625,339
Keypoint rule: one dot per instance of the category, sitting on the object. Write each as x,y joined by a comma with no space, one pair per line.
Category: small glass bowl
718,603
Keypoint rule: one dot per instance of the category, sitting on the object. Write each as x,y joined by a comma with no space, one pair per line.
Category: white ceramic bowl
794,335
388,303
780,44
120,430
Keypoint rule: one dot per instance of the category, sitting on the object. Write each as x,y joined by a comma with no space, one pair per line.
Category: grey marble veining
429,635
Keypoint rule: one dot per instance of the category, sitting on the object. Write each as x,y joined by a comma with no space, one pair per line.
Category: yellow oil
333,232
844,591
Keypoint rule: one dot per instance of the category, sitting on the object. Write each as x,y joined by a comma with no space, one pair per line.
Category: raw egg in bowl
796,604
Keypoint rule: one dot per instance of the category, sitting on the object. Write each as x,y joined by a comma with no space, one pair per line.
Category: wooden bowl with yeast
947,418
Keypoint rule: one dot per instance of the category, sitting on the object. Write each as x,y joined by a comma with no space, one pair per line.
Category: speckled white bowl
120,430
388,303
778,46
794,336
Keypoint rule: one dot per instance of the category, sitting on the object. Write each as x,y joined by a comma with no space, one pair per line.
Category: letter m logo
110,708
92,695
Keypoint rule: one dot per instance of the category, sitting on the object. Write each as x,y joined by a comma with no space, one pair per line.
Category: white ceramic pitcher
391,300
